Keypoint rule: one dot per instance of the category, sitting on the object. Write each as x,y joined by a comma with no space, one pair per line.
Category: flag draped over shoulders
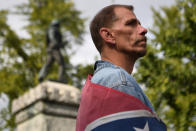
107,109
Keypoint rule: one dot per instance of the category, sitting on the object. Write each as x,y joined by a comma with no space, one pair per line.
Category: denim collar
102,64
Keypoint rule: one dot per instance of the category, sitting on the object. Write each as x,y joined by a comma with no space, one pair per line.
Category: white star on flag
146,128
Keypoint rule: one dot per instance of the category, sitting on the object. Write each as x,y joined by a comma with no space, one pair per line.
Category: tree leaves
170,78
22,58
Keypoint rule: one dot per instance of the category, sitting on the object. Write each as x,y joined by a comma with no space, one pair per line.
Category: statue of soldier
54,43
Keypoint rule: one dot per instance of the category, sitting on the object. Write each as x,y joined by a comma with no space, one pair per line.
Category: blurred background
167,73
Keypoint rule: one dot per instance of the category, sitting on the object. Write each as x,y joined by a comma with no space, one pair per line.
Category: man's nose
143,30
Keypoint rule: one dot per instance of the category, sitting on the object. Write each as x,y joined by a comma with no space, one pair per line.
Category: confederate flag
107,109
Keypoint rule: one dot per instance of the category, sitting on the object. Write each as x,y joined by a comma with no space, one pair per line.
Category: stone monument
51,106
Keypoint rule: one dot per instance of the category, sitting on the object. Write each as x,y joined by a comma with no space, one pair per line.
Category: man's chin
137,53
141,53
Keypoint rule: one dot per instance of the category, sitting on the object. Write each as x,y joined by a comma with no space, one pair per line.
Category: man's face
128,33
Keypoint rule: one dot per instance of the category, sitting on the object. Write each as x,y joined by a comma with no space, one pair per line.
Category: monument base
43,122
51,106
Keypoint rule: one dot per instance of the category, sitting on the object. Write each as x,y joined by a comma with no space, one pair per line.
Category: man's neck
124,61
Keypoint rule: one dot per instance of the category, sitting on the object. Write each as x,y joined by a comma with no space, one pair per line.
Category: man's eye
132,23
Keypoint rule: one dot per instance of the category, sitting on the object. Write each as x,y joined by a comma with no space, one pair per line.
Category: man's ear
107,35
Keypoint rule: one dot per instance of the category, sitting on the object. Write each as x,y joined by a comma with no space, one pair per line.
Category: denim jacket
115,77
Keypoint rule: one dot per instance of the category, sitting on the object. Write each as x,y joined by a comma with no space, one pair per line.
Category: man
54,43
112,99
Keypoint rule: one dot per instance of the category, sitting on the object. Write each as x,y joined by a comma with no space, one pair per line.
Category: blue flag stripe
118,116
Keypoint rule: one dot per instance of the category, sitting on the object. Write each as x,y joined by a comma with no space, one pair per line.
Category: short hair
104,18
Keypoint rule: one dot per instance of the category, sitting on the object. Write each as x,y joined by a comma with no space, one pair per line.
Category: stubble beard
140,53
136,53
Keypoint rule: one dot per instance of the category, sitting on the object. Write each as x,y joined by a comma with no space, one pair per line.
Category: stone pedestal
50,106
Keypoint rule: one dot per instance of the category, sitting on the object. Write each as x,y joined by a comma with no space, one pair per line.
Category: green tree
82,71
169,69
11,71
22,58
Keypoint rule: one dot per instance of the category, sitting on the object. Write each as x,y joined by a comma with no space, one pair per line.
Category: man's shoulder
108,72
109,76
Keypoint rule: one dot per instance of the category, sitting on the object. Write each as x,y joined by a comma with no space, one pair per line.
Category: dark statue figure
54,43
